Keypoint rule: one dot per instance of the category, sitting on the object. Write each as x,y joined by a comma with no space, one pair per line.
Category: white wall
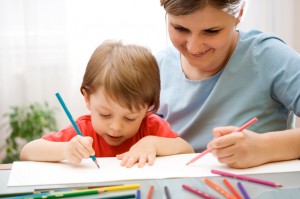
45,45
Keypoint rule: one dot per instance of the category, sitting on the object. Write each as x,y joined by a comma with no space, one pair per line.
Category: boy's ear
86,99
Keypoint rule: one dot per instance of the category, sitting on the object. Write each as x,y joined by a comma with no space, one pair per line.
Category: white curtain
45,44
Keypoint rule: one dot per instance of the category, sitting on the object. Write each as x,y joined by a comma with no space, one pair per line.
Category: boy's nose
115,125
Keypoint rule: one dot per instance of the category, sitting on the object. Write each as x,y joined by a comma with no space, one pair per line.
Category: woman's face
204,38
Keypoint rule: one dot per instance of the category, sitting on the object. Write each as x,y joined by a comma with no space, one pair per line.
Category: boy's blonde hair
128,74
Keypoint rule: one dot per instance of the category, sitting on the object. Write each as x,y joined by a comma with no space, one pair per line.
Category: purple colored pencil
243,190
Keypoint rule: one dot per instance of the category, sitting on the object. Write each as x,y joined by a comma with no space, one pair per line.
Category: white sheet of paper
26,173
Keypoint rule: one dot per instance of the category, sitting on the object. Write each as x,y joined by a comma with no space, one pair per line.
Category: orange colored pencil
219,189
232,189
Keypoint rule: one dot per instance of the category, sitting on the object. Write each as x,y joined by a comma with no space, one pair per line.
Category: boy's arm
78,148
146,149
43,150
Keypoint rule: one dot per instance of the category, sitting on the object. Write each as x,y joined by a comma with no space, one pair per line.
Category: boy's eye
104,115
130,119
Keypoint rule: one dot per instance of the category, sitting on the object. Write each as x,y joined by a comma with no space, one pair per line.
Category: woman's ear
241,14
86,99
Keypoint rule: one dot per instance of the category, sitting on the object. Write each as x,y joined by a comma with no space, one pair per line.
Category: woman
215,76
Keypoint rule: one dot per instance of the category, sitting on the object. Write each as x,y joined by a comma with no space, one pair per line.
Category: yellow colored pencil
119,188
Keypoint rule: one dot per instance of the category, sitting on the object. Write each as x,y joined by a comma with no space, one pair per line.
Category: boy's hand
78,148
144,151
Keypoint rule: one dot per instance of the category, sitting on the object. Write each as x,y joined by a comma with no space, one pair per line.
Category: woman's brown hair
185,7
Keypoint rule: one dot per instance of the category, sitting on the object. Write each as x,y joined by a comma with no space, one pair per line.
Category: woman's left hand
237,149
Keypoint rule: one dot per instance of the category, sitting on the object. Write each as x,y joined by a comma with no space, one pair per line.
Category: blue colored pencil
138,194
73,122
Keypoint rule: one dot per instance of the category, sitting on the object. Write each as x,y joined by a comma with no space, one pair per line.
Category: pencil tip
97,164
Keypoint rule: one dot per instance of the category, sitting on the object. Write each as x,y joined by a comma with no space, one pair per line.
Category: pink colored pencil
247,178
246,125
197,192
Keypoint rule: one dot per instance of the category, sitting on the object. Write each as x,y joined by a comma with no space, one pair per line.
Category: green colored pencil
18,194
119,196
66,194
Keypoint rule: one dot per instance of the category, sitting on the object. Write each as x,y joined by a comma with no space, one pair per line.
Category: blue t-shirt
262,79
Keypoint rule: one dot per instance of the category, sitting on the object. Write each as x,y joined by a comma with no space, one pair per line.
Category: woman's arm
248,149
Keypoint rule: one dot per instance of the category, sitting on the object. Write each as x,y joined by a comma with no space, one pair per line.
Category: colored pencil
2,195
120,196
243,127
150,193
66,194
167,192
73,188
232,189
246,178
243,190
73,122
120,188
83,192
197,192
138,194
219,189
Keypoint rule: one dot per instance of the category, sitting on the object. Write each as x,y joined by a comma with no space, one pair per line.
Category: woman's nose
194,44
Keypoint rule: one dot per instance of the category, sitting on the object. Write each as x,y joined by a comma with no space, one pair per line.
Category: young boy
121,88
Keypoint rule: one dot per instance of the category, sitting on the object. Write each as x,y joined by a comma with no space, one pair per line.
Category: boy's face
110,120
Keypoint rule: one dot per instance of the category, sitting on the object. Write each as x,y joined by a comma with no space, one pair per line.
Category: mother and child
212,79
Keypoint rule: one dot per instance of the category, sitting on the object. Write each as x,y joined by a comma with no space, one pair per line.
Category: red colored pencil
149,196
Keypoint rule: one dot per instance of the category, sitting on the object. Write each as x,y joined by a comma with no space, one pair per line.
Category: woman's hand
78,148
238,149
144,151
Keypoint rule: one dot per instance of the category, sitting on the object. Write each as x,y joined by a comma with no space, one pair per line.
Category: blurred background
46,44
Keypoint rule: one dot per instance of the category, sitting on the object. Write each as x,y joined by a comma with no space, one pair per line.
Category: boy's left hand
144,151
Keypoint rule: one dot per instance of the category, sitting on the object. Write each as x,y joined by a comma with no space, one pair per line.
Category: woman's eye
180,29
212,32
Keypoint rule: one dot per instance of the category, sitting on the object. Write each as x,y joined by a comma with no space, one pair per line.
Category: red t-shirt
151,125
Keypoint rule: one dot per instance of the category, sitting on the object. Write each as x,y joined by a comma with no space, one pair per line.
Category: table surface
289,180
